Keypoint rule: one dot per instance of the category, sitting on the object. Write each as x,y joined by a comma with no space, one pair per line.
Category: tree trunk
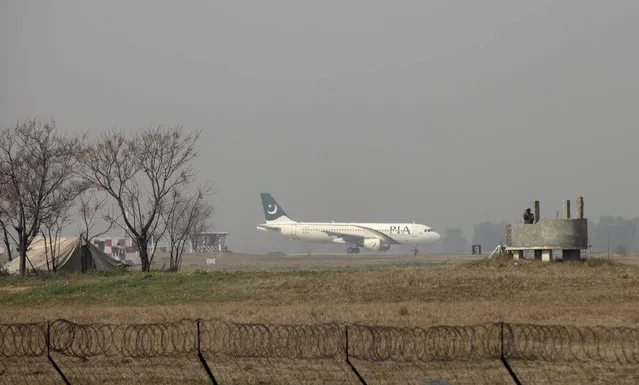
23,256
144,254
7,244
178,261
179,251
172,261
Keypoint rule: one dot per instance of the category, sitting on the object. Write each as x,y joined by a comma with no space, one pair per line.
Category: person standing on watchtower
529,218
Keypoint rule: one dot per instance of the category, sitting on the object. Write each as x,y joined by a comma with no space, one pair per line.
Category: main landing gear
351,250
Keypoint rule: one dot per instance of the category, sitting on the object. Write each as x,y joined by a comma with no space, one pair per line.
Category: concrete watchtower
570,235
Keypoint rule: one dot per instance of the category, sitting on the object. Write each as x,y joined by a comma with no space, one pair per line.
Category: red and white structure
120,248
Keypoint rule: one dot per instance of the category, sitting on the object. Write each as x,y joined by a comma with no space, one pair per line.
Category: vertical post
501,339
537,212
55,366
580,207
568,211
503,356
348,361
534,207
565,208
346,342
200,356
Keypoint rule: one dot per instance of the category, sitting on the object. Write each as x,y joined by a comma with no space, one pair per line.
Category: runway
324,260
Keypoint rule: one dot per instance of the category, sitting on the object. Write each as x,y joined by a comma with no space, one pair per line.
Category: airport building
125,250
209,242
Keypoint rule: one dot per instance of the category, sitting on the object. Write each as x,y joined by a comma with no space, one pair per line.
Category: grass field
383,290
414,292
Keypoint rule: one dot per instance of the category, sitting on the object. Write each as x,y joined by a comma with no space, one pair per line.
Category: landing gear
351,250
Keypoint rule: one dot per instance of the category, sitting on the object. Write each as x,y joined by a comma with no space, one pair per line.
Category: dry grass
600,292
530,292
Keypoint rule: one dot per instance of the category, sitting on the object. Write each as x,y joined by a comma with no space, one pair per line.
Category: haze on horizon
439,112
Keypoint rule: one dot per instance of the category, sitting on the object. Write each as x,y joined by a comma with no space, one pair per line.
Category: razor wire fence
220,352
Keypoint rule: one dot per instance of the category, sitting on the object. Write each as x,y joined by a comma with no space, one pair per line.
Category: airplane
371,236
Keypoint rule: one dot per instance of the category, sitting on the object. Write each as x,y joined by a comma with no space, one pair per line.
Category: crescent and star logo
272,209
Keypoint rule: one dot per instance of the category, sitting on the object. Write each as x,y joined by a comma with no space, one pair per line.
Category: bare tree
90,205
51,229
37,172
181,217
139,173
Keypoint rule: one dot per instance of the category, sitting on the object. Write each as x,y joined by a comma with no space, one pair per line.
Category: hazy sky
445,112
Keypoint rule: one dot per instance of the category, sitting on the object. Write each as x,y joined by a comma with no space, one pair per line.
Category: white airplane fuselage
371,236
403,233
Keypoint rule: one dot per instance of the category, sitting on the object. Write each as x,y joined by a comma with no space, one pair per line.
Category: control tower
565,234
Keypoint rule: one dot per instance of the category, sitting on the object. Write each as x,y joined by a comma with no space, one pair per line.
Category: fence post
55,366
348,361
201,356
503,357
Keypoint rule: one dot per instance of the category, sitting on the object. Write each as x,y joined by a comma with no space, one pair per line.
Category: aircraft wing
348,238
351,238
268,228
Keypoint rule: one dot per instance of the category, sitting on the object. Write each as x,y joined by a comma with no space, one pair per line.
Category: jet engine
375,244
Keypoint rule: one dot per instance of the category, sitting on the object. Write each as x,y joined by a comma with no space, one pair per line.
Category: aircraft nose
436,236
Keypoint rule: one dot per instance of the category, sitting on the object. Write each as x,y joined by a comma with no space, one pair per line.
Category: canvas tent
72,253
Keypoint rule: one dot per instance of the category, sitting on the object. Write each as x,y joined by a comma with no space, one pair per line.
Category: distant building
208,242
123,249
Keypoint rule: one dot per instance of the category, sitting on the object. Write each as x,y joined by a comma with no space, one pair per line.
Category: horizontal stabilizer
269,228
